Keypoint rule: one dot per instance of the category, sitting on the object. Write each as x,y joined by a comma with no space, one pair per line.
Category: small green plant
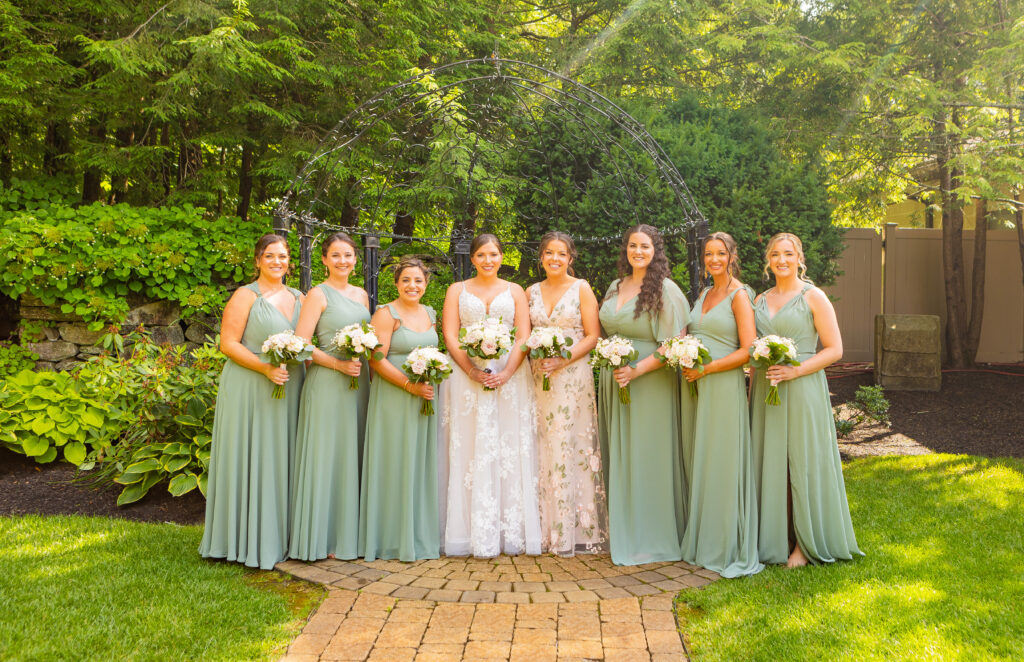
15,358
42,413
163,400
868,404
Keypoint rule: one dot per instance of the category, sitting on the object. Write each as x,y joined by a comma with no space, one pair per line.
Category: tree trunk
125,137
245,182
6,160
190,160
405,224
167,163
92,178
1018,220
56,148
952,251
977,281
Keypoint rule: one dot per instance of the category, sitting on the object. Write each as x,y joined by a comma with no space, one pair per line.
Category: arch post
371,268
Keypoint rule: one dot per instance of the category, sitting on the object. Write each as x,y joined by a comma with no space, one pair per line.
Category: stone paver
512,609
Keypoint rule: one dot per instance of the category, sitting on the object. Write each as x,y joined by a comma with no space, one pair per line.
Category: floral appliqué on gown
573,507
491,436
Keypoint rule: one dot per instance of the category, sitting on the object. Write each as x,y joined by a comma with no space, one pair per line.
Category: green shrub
88,259
868,404
41,412
15,358
163,402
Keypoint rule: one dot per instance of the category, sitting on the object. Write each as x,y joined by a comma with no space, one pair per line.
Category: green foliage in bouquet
88,259
44,413
163,402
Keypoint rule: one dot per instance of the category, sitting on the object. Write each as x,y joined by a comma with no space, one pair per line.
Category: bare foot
331,556
797,558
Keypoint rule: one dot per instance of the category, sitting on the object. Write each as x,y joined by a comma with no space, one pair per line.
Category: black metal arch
486,143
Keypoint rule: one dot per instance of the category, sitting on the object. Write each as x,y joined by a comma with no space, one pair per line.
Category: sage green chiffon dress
399,506
721,531
329,444
798,436
641,440
251,451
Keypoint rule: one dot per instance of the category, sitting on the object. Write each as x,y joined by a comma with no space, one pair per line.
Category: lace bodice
565,315
472,308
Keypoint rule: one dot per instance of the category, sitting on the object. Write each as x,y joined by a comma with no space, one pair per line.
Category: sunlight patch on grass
943,577
87,588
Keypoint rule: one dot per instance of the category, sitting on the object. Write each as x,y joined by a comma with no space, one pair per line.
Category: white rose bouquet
614,352
356,341
547,342
686,352
773,350
282,348
488,339
427,364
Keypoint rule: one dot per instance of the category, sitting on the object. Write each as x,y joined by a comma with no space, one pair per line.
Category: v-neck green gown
399,510
251,452
329,445
721,531
641,440
798,436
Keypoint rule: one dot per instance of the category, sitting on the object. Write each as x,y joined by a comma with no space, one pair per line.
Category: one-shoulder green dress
329,443
798,436
399,509
721,531
251,451
641,440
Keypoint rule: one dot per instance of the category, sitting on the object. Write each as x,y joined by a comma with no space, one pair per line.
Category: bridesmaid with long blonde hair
804,515
573,511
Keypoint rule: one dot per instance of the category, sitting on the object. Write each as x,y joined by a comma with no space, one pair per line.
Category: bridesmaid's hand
782,373
693,374
423,389
496,379
276,373
624,375
548,366
351,368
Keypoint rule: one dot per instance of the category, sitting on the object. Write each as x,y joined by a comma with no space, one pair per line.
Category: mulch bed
978,413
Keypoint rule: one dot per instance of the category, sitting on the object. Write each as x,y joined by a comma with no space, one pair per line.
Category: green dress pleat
399,509
251,452
721,532
798,436
329,442
640,441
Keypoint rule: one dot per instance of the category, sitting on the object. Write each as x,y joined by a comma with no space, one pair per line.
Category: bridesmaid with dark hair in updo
253,433
325,508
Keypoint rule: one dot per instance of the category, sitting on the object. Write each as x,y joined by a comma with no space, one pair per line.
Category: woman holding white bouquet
563,312
253,431
325,495
488,420
640,427
398,509
804,515
721,528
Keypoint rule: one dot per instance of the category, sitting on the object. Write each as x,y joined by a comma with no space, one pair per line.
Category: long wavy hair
649,299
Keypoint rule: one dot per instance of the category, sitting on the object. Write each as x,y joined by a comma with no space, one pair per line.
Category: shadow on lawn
943,577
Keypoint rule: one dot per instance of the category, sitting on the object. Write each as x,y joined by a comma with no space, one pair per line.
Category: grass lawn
90,588
943,577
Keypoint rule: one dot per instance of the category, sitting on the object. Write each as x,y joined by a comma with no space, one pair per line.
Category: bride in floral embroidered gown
491,501
573,507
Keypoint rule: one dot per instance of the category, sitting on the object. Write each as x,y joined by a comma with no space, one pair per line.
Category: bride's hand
479,376
496,379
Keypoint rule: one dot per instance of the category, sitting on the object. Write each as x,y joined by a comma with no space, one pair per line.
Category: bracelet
405,386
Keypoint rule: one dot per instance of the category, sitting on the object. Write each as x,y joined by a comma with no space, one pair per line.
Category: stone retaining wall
66,339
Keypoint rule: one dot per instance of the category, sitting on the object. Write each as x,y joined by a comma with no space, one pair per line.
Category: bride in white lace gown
491,502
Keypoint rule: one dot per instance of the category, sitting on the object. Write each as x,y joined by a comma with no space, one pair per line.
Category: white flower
419,366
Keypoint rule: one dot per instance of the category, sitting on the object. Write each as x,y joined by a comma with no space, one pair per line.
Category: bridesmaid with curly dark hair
640,441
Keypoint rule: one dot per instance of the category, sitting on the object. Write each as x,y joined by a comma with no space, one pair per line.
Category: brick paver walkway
522,608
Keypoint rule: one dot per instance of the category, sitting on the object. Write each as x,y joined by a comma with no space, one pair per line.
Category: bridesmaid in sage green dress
803,510
721,532
399,508
640,441
253,433
325,495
